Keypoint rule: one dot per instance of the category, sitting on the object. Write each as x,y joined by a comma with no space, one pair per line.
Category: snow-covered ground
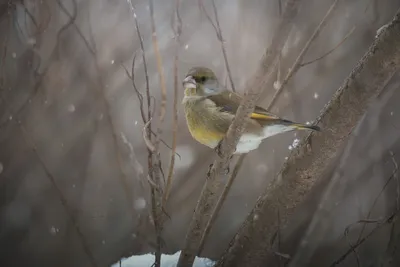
147,260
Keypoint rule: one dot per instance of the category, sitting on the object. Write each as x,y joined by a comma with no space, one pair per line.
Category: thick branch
210,193
251,245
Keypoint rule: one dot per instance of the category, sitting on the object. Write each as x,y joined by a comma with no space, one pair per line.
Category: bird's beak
189,82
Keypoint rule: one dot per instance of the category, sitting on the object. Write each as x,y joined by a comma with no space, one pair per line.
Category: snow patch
147,260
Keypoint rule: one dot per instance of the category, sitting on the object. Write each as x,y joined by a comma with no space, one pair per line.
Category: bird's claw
218,149
209,170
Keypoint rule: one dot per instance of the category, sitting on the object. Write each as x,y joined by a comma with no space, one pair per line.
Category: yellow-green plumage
210,109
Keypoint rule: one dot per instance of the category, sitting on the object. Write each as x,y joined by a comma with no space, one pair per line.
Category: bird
210,108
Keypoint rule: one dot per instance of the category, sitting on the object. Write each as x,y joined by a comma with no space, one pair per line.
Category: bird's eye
203,78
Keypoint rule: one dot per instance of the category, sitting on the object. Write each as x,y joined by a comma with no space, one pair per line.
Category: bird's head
200,81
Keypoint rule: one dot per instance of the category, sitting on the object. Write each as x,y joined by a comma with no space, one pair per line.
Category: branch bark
292,71
251,245
210,193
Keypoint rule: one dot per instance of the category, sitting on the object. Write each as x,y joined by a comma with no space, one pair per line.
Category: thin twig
218,31
3,56
297,63
101,94
157,198
30,143
222,41
131,76
220,202
379,225
178,31
394,173
332,50
149,144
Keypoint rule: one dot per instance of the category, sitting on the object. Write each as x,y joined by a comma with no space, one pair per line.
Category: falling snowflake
316,95
186,46
31,41
53,230
71,108
1,167
112,62
136,122
14,55
277,85
391,113
379,31
140,204
294,144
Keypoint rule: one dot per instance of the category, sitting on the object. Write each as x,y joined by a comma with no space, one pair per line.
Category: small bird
210,109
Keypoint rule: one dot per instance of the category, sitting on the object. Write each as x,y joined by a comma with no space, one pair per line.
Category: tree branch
177,31
209,195
250,246
297,63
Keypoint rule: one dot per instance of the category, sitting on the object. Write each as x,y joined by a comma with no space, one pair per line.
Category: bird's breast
202,124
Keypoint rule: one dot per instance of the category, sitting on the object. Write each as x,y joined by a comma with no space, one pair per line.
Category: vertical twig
156,196
101,94
220,202
218,32
153,169
177,31
61,196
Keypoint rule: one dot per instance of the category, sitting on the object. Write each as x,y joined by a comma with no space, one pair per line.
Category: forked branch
211,190
250,246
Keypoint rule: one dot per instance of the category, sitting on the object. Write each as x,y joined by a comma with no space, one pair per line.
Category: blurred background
71,129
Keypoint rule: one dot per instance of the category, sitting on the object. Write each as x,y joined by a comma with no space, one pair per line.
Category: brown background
65,118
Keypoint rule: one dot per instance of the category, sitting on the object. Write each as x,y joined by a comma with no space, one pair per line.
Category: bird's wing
229,102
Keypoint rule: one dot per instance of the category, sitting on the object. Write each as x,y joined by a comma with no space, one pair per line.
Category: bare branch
157,208
177,31
349,103
209,195
379,225
159,64
239,163
150,146
394,173
218,32
330,51
297,63
220,202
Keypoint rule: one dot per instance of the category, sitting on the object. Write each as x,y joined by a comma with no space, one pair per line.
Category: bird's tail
300,126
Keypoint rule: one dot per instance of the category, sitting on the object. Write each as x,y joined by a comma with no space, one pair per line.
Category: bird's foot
209,170
218,149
